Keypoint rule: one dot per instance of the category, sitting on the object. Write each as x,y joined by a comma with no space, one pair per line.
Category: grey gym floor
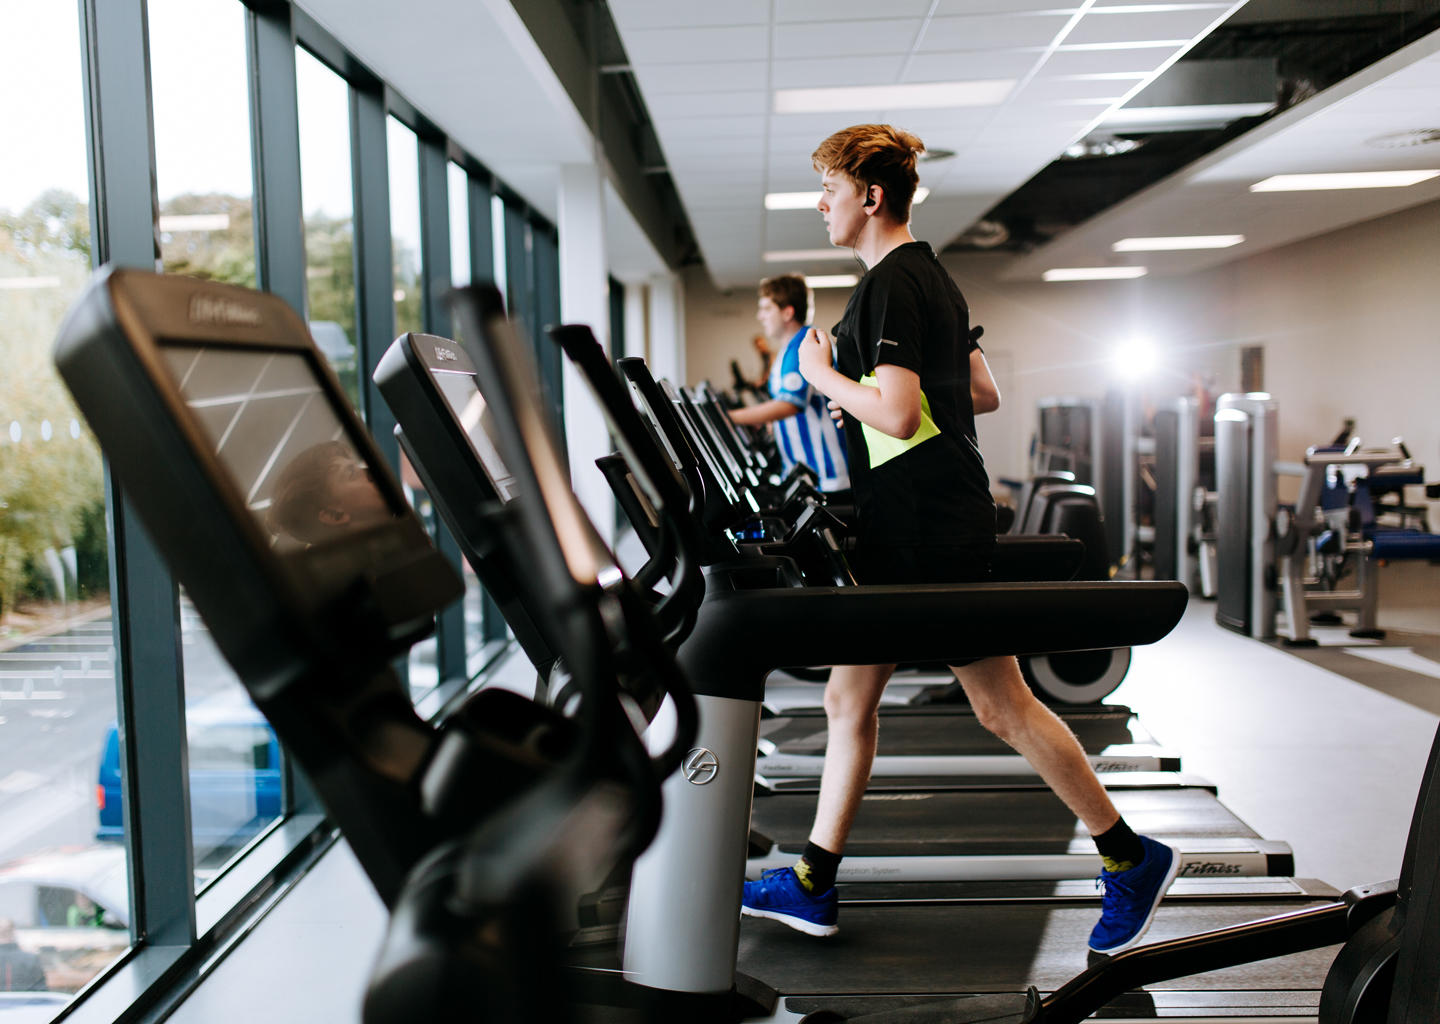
1322,749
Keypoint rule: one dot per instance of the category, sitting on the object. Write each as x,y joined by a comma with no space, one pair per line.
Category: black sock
816,868
1120,848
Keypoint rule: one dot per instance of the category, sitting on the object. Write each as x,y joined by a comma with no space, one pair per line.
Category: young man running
804,432
902,376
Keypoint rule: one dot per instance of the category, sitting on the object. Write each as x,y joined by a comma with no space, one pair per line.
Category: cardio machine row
455,846
646,960
922,928
987,818
968,814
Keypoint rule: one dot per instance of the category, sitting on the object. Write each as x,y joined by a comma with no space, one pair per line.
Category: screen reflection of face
355,501
324,491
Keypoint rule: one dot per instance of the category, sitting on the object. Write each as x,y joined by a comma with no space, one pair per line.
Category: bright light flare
1135,358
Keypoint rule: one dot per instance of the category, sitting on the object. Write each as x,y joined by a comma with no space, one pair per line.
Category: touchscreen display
469,407
281,441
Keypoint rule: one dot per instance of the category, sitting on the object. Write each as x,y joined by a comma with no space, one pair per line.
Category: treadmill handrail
1265,939
867,625
677,531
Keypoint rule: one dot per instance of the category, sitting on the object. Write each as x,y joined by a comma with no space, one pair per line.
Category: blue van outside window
235,783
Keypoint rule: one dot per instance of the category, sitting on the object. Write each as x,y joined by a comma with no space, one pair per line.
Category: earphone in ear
869,200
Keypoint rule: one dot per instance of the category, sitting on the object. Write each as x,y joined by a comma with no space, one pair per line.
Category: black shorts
901,564
923,563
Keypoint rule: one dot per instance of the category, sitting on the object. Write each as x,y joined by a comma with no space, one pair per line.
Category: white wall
1349,322
721,326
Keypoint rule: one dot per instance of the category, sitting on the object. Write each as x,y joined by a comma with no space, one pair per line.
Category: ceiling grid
725,145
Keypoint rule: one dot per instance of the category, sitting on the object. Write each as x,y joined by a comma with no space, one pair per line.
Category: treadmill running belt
923,735
990,822
995,948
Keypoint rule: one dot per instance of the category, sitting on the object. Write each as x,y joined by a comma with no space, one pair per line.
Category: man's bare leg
1004,704
852,700
804,897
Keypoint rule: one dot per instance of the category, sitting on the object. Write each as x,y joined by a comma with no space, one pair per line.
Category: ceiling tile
982,32
709,104
801,133
662,79
971,65
925,123
721,197
798,233
687,45
1121,26
685,126
821,72
1003,6
1050,88
702,147
845,38
813,11
1218,5
793,176
1036,124
742,170
634,15
1093,62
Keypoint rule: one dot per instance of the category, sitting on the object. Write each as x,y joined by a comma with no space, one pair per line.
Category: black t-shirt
932,489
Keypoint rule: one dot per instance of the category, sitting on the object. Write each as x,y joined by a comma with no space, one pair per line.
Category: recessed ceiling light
1093,273
833,281
802,255
1176,242
807,200
1357,179
912,96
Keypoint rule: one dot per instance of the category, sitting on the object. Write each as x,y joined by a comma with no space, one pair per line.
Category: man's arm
984,393
764,412
892,407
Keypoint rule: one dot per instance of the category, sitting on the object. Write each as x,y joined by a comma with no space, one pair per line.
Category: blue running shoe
1131,897
778,895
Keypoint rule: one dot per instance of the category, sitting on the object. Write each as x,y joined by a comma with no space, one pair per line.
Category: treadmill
910,826
688,970
979,827
918,731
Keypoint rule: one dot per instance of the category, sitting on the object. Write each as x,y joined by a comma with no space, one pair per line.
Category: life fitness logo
700,766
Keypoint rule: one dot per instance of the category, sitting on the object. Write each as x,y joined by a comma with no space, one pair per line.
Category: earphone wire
855,242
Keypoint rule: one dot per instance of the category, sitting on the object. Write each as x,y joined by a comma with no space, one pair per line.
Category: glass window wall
458,191
204,181
403,157
328,199
64,896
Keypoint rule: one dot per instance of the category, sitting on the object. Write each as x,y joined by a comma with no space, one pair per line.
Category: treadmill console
233,441
448,431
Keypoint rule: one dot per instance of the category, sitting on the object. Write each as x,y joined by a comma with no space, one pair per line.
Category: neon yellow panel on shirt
884,447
